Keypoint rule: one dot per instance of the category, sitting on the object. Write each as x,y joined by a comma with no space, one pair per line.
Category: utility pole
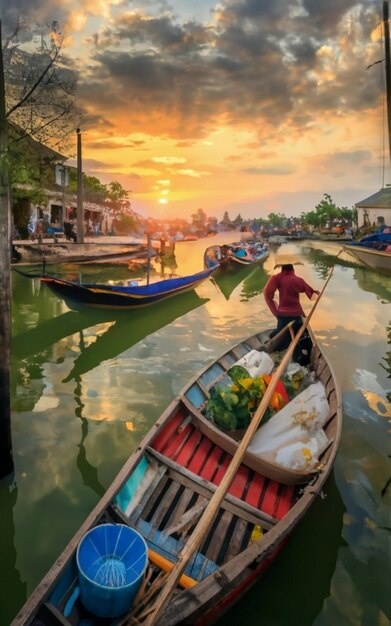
80,216
388,70
6,460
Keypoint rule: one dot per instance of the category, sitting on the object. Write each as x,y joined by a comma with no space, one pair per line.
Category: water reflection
316,540
323,261
363,476
336,561
115,332
227,279
387,360
9,574
253,285
88,472
129,328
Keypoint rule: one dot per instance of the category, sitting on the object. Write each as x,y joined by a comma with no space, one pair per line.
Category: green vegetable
237,372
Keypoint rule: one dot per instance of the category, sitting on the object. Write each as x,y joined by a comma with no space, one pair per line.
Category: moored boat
121,297
236,254
374,251
170,480
376,259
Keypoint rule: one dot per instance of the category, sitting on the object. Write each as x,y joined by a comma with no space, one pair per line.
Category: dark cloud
339,162
260,63
159,33
32,16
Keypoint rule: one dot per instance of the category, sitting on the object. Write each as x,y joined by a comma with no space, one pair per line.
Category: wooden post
6,460
80,216
207,518
149,244
388,70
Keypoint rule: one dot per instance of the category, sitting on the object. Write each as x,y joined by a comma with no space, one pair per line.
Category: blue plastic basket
111,560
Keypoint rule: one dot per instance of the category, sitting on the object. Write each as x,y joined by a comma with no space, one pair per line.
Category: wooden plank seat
158,518
169,547
191,449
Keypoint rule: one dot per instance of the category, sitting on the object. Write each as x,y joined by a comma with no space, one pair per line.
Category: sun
163,201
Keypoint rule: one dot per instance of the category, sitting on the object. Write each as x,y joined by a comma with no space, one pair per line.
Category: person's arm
268,293
308,290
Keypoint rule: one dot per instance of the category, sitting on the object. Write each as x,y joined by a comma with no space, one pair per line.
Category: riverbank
93,249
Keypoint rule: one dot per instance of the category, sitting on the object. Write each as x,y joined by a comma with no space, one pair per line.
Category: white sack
256,363
305,414
303,454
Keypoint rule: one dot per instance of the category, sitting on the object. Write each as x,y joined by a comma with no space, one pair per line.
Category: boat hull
163,489
375,259
233,256
122,298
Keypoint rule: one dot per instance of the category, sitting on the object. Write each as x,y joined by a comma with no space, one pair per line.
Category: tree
36,97
327,212
6,460
211,224
40,89
93,190
277,219
199,219
226,220
117,196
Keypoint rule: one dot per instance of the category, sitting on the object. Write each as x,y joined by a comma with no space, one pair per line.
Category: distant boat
121,297
277,240
236,254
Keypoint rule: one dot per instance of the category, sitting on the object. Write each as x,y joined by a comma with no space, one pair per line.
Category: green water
86,387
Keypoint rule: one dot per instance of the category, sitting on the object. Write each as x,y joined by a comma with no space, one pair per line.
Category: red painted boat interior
188,447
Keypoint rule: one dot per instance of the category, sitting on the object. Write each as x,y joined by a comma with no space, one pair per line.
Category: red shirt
289,287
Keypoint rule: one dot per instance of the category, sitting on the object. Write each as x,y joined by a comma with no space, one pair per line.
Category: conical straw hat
285,259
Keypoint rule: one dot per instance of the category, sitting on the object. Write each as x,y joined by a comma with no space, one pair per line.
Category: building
41,192
373,207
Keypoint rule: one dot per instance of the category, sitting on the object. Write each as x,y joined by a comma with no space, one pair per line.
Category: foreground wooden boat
122,297
166,485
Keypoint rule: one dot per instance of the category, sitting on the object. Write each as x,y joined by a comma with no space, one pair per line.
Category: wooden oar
207,517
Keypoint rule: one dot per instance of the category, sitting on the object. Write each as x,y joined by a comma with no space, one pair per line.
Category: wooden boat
169,481
376,259
374,253
78,253
104,296
248,254
236,254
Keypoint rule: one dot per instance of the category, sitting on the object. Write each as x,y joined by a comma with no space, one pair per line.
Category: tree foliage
238,220
93,190
199,219
40,88
327,212
117,196
277,219
226,219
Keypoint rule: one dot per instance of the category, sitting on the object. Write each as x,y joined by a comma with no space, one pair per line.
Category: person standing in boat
288,308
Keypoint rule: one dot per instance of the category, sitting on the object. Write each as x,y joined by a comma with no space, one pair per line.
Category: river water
86,387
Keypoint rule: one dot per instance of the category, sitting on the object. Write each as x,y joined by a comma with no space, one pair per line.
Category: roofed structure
375,206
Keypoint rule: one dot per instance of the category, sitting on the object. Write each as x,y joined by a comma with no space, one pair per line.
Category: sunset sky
245,106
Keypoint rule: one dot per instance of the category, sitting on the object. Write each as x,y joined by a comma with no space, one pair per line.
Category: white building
373,207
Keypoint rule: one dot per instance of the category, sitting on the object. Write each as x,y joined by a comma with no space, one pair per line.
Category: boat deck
184,469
